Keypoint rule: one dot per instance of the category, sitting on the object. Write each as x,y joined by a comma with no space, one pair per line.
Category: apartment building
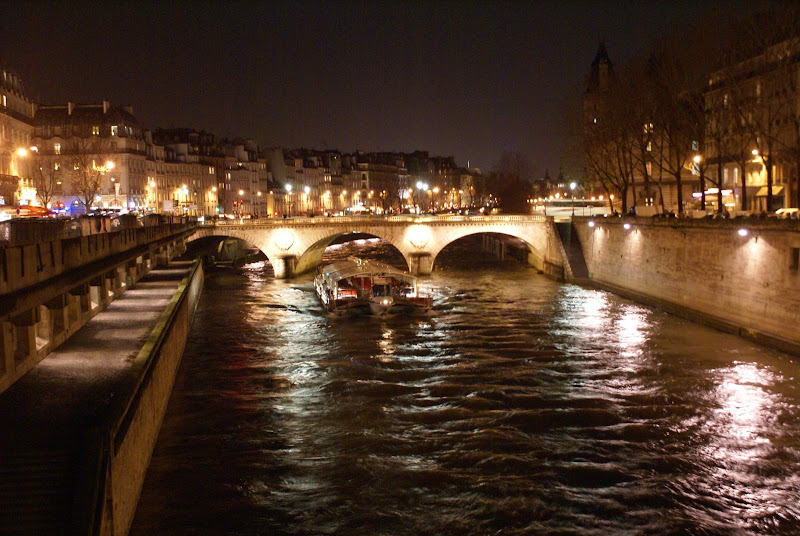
16,114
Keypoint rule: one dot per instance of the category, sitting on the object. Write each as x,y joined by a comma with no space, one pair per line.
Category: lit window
114,130
95,131
5,101
695,145
649,146
57,148
56,166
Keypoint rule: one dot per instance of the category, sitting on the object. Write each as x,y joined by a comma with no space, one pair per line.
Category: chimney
106,106
70,107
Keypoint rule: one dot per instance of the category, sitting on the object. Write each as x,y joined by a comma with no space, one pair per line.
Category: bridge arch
248,238
533,257
312,256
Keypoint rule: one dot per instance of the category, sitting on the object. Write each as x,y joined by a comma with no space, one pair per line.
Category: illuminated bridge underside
294,247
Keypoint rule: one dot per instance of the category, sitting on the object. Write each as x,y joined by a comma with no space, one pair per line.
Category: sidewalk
44,415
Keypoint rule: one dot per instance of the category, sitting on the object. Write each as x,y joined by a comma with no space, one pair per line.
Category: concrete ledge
760,337
124,442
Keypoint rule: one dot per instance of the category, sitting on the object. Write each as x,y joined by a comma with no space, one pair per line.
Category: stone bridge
295,246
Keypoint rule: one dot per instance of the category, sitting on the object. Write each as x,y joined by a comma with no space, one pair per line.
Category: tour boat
368,287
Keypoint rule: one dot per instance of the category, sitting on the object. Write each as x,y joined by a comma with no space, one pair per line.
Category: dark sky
467,79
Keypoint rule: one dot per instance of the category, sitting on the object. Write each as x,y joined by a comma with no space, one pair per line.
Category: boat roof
352,266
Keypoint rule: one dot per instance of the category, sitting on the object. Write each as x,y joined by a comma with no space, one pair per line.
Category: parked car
787,213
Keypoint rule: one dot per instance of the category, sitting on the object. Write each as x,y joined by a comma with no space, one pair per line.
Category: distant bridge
295,246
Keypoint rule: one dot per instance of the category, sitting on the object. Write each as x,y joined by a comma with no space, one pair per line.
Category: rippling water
520,406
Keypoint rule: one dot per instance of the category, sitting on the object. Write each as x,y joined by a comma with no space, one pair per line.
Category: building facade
16,115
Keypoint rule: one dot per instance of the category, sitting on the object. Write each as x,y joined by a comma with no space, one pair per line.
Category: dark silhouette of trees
511,181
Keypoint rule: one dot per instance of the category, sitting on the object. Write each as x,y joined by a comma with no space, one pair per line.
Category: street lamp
698,159
288,189
152,192
572,186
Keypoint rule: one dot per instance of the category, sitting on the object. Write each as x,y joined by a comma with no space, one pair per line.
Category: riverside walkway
48,416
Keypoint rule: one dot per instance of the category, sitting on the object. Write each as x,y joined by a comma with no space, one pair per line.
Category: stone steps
572,246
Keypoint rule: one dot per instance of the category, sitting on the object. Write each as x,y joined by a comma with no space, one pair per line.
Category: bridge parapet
49,289
37,251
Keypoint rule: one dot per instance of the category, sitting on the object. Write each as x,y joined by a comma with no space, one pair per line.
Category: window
695,145
56,166
649,146
95,130
57,148
5,101
114,131
210,170
648,128
649,167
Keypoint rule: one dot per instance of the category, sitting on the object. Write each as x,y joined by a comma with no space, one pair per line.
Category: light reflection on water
520,406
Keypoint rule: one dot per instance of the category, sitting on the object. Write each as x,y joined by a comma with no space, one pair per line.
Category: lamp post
106,168
698,160
572,186
153,193
288,188
422,186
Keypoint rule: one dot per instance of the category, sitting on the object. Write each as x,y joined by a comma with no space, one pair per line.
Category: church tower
598,84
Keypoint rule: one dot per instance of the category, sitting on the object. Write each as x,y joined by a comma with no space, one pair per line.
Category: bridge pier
59,315
420,263
25,334
284,267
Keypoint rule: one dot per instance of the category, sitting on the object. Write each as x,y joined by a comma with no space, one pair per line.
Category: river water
519,406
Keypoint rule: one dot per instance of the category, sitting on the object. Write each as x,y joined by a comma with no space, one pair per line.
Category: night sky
462,79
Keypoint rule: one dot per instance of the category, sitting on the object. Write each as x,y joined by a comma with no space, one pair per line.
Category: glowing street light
572,187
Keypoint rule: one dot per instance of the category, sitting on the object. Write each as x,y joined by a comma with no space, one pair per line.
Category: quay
80,426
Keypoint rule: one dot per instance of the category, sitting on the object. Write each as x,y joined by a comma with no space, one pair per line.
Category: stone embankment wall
128,438
745,282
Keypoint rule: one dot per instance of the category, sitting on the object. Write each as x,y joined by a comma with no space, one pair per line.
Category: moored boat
368,287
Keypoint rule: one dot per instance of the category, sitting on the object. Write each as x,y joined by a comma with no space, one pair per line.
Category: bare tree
610,142
676,111
512,179
45,175
88,157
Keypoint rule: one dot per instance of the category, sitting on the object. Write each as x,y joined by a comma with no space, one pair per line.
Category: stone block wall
750,280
